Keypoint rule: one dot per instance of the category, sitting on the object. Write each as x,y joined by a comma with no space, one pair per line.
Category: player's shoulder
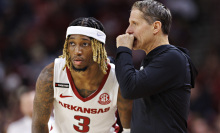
56,62
47,72
49,67
112,70
59,60
112,67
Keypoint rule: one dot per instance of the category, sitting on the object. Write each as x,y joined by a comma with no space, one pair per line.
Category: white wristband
126,130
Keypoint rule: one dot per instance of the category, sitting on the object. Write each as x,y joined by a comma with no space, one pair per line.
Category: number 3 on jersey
83,124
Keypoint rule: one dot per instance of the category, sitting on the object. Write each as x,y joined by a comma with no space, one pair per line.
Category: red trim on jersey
92,95
51,128
117,125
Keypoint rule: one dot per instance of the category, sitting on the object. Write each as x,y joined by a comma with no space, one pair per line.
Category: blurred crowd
32,34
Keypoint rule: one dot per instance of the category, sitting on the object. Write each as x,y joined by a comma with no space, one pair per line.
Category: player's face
142,31
80,50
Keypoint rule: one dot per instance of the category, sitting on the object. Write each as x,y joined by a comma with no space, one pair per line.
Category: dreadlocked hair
98,49
99,54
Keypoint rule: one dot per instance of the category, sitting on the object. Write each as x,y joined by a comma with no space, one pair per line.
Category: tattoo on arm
43,101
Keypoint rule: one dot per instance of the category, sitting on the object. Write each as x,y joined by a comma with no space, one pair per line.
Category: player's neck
88,81
91,74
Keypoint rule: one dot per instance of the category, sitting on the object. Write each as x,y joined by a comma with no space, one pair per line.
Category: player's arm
43,101
124,109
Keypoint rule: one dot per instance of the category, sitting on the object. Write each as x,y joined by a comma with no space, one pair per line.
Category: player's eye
85,44
72,43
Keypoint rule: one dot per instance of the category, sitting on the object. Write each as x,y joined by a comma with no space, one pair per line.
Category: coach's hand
125,40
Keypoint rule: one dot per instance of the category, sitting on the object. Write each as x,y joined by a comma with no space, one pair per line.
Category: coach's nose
129,30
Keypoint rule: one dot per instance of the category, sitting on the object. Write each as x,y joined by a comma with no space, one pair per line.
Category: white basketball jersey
75,114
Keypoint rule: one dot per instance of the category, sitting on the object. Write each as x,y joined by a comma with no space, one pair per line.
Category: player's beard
80,69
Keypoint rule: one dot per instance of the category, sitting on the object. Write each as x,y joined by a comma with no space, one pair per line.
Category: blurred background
32,34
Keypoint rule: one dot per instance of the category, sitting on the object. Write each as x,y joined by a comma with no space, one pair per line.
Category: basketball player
80,85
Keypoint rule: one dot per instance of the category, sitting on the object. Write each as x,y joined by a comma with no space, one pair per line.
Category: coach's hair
98,48
155,11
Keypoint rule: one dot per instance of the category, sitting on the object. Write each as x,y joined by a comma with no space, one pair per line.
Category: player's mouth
77,61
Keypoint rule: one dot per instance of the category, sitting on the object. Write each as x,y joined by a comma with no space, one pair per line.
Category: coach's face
141,29
80,49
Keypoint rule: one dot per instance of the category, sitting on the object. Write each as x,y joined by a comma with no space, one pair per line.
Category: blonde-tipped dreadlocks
99,55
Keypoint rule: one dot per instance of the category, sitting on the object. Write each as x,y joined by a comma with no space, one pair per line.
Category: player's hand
125,40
